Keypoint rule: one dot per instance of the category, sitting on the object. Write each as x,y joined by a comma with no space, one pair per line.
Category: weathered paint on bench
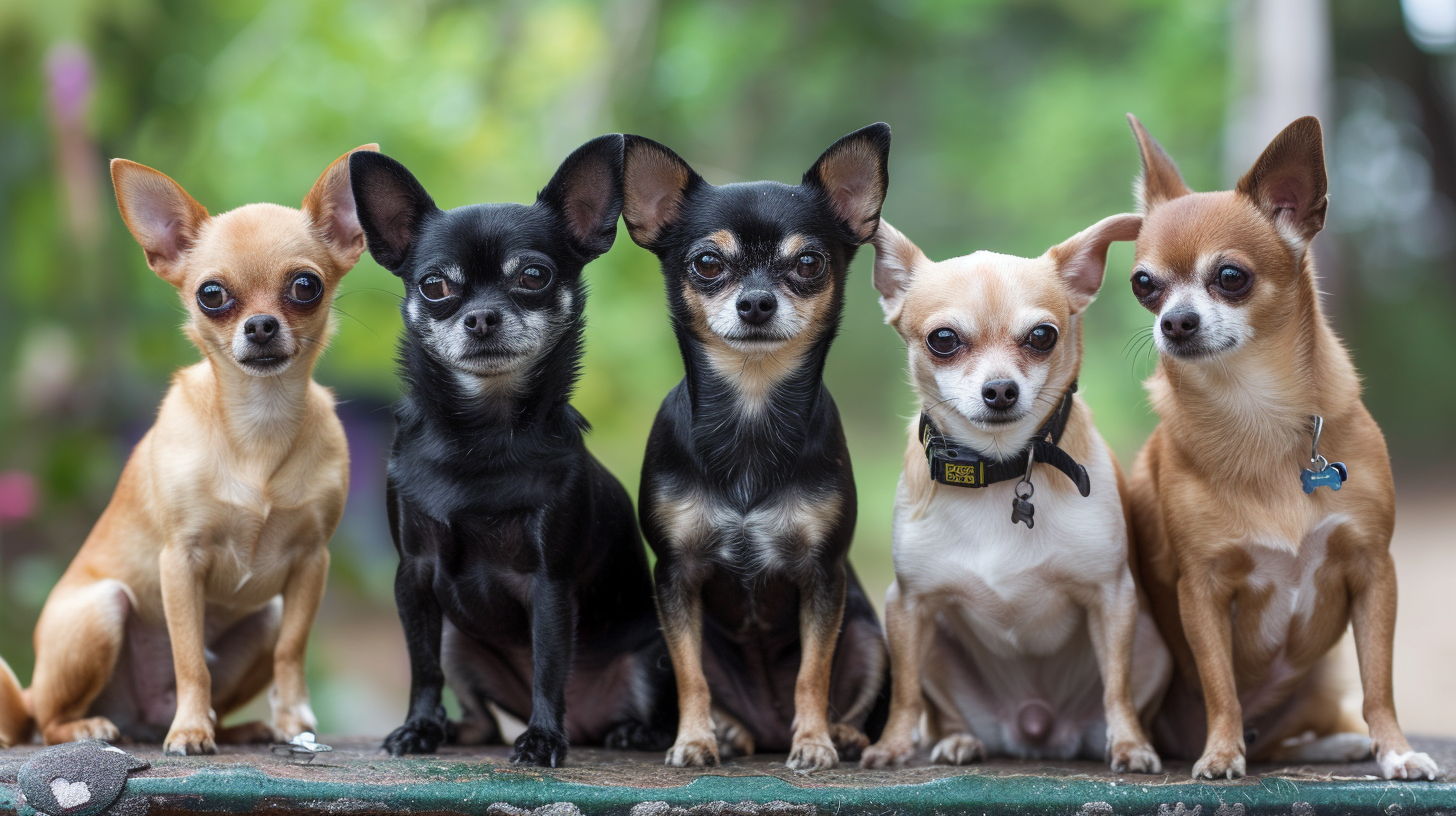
356,779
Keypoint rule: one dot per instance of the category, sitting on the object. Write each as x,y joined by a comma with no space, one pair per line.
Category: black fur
740,459
521,566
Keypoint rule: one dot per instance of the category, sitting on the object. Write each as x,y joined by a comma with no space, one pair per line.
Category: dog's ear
1160,180
655,182
895,260
1082,259
159,213
1288,182
855,173
587,193
330,205
391,206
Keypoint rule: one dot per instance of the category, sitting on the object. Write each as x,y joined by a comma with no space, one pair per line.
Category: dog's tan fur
987,618
1222,523
215,540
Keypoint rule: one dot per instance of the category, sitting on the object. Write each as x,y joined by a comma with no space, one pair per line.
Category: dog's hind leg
243,669
15,722
465,670
78,640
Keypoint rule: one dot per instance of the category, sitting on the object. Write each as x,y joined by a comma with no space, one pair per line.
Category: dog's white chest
1009,583
1288,575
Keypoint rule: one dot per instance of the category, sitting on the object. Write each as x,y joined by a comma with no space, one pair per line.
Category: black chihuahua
522,577
747,494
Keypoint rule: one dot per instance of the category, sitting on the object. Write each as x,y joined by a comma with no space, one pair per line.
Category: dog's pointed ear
162,217
330,205
1160,180
586,193
655,182
1288,182
391,206
855,173
1082,259
896,259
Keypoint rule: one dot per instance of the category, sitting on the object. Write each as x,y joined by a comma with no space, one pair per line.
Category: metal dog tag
1022,511
1322,472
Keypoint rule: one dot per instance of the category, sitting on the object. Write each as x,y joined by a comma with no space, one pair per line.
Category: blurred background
1008,135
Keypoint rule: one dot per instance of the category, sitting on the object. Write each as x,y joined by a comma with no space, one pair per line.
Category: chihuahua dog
522,576
200,582
1255,551
747,494
1031,641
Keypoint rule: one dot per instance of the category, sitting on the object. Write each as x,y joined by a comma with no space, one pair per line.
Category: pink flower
18,496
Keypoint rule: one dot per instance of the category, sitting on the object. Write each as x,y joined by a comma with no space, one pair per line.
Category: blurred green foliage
1008,135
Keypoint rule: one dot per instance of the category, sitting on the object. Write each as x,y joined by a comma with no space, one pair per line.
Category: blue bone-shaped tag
1331,477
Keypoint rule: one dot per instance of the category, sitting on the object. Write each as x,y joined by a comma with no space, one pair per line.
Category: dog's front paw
415,737
958,749
812,754
693,752
1220,763
294,720
1134,757
887,753
1408,765
536,746
190,739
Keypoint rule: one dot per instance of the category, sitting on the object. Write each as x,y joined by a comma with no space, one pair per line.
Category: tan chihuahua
1029,641
1255,551
200,581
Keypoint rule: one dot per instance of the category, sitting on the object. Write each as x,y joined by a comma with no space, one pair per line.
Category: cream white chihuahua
1014,616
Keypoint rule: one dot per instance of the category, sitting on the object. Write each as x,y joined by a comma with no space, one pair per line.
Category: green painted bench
357,779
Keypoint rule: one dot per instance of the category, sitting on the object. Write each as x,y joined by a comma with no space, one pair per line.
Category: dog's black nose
482,321
1000,394
1180,326
260,329
757,306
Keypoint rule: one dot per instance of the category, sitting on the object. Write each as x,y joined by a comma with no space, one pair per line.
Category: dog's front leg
821,611
1373,593
553,640
1205,608
183,572
302,595
680,607
905,623
1112,623
419,613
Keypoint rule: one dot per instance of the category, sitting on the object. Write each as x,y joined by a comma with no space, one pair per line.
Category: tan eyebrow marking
727,242
791,245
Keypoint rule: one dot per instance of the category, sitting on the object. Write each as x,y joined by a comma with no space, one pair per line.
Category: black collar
961,466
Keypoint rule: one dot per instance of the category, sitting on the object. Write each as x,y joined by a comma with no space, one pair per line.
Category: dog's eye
435,288
1042,338
306,288
707,266
1233,280
811,265
943,342
534,278
1143,285
212,297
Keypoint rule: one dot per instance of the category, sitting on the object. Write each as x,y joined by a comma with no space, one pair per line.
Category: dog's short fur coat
747,493
1254,582
1029,642
522,579
200,581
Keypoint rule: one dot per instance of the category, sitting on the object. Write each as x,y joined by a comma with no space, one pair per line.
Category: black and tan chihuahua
747,494
522,578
